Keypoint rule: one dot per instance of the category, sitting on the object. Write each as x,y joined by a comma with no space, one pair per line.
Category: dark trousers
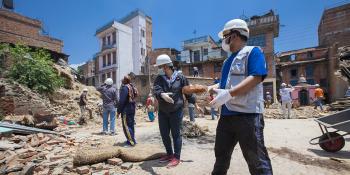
171,122
128,121
247,130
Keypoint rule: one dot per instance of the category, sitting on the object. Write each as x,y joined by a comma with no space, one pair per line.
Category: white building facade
115,56
137,20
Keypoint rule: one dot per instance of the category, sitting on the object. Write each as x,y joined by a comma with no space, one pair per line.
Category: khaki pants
286,104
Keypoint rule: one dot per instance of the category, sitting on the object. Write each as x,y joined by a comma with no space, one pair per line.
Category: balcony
217,54
110,46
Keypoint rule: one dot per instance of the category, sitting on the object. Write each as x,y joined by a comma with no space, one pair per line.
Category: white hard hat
85,90
109,81
267,92
317,85
283,84
236,24
163,59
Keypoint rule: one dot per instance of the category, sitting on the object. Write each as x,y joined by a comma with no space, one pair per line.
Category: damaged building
318,65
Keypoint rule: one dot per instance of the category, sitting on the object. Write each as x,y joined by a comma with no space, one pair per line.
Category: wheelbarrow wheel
333,145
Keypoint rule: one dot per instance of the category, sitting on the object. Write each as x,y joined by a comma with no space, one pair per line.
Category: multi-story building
89,72
124,46
115,56
205,54
141,26
309,65
335,26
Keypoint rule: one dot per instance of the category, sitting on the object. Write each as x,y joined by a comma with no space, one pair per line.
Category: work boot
166,158
173,163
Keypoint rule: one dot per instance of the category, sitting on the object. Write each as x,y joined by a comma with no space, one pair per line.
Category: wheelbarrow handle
312,141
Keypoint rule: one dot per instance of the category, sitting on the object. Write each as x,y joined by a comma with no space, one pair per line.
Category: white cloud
75,66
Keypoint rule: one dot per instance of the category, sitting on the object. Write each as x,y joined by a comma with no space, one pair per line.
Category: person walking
127,109
286,99
319,97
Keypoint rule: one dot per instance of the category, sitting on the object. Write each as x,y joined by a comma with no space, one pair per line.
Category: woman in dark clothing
168,91
126,108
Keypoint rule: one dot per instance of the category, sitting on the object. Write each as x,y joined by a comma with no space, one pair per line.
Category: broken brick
115,161
83,170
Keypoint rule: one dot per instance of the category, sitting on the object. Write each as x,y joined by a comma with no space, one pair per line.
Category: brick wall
334,26
15,28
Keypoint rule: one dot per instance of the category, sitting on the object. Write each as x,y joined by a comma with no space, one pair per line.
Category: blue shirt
256,67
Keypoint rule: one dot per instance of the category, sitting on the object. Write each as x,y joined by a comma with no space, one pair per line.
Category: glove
212,88
166,97
223,96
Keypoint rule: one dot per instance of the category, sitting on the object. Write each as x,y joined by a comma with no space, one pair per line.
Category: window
205,52
114,57
309,70
143,82
196,56
114,37
103,41
293,82
217,67
258,40
109,59
142,33
104,61
323,82
103,78
108,75
293,57
142,51
114,76
309,54
109,40
310,81
294,73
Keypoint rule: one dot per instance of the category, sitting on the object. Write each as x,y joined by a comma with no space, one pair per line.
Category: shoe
166,158
173,163
113,133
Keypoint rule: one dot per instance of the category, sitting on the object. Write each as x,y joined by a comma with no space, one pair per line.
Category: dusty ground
287,142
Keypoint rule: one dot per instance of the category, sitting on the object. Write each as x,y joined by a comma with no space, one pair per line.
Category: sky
75,21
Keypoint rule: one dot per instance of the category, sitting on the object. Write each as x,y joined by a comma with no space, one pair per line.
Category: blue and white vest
252,101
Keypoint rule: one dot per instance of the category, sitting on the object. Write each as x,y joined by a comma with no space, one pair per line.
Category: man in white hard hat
240,96
167,89
110,100
268,99
286,98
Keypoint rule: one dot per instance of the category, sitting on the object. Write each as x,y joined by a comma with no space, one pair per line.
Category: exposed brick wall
334,26
15,28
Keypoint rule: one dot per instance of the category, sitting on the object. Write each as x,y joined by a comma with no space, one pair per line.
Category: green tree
33,68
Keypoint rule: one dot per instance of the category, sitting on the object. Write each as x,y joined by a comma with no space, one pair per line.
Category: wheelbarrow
333,141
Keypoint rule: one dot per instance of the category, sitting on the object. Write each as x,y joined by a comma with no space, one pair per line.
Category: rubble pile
340,104
16,99
301,112
19,100
39,153
192,130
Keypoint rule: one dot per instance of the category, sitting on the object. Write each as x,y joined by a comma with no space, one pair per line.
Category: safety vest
252,101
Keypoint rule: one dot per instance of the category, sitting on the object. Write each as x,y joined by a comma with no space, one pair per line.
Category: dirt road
287,142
